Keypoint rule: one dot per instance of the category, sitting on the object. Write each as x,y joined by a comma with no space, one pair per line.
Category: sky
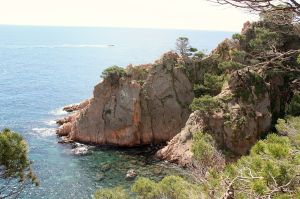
170,14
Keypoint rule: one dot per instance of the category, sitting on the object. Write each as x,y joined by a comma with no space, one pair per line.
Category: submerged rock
157,170
80,149
65,140
100,176
105,167
131,174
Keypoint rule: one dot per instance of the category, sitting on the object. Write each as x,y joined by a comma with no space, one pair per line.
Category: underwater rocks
128,113
81,149
105,167
131,174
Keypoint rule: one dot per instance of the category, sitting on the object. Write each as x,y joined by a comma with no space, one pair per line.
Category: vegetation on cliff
247,86
271,170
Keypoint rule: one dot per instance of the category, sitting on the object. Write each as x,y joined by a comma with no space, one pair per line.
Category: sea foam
44,132
58,112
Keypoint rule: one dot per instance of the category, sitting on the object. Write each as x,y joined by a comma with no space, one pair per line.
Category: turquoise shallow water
44,68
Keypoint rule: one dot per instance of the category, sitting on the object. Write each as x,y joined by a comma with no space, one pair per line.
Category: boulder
131,174
80,150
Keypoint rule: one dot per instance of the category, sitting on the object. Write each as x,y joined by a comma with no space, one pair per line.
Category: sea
42,69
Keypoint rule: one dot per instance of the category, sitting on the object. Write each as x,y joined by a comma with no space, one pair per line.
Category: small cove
45,68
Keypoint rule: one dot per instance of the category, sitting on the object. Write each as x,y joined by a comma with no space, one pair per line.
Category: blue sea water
44,68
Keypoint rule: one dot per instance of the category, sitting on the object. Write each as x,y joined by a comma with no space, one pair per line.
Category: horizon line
128,27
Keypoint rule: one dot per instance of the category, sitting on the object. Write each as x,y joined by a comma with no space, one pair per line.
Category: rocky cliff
150,104
130,110
242,116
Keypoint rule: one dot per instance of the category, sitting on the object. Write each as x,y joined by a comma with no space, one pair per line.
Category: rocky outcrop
178,149
128,112
243,115
76,107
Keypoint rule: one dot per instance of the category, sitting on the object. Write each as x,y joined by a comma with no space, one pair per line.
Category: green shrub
212,85
204,103
199,90
271,170
13,153
272,163
172,187
229,66
245,91
138,72
259,84
111,193
203,147
193,50
294,106
298,59
238,36
264,40
15,166
199,55
145,188
113,72
175,187
238,56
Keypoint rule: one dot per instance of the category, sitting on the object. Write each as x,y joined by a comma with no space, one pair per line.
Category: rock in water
105,167
100,176
125,112
80,149
130,175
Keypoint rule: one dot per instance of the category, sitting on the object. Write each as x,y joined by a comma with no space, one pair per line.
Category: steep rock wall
126,113
239,122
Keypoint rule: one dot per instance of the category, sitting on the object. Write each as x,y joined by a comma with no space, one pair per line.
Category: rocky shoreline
150,104
124,112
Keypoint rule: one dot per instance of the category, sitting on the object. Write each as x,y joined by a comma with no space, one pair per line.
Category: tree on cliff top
15,167
183,47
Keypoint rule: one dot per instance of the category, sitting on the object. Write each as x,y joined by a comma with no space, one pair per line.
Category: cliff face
125,113
244,114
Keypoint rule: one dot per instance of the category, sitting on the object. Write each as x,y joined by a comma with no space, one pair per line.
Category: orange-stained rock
76,107
128,113
64,129
236,125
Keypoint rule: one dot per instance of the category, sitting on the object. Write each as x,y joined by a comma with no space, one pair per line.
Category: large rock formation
244,113
126,112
